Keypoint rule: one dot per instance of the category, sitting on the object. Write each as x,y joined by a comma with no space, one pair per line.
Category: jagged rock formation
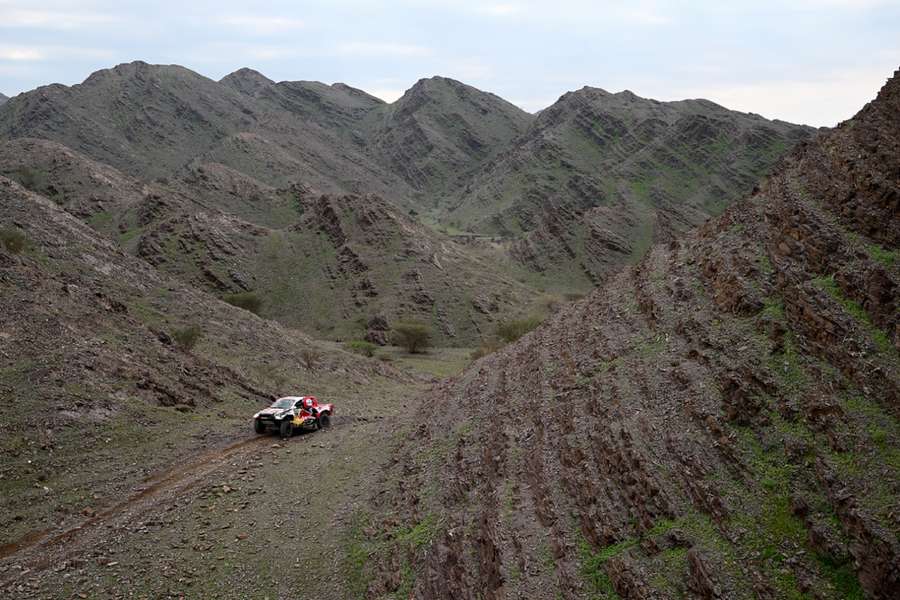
718,421
440,130
598,177
160,118
575,192
3,99
567,196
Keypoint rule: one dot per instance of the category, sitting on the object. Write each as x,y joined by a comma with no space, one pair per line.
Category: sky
806,61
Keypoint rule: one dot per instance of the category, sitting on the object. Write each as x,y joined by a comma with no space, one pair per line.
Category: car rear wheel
258,426
325,421
286,429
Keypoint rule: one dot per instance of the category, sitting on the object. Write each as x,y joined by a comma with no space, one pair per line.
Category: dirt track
243,483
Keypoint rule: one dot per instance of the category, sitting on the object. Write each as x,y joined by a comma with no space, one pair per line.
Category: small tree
361,347
13,240
187,337
510,331
413,336
246,300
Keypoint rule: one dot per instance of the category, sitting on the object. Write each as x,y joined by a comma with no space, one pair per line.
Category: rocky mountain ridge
719,420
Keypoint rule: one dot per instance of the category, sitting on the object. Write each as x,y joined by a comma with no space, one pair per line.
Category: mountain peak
246,80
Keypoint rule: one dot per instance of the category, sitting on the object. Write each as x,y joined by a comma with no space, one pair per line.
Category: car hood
272,411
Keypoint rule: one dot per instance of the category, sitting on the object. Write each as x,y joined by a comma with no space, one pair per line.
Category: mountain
477,207
151,121
327,264
719,420
598,177
3,98
441,129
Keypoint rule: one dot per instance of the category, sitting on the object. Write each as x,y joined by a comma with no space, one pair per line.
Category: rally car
293,413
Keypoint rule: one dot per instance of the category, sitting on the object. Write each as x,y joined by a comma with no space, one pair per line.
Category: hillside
150,121
3,98
477,207
128,451
719,420
327,264
598,177
439,131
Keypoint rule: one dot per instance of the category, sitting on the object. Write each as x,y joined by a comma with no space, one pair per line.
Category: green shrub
510,331
361,347
187,337
246,300
488,346
13,240
413,336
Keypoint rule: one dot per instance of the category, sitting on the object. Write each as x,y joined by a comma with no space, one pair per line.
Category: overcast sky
806,61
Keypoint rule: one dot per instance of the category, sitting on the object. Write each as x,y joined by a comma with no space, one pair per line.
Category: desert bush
412,335
488,346
13,240
247,300
510,331
187,337
361,347
550,303
310,358
30,178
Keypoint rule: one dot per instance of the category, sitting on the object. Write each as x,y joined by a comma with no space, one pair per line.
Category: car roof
293,398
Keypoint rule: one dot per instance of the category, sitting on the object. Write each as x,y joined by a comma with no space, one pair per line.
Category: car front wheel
286,429
258,426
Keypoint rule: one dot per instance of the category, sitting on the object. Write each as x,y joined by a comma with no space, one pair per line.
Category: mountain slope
598,177
151,121
3,99
325,263
97,391
720,420
439,130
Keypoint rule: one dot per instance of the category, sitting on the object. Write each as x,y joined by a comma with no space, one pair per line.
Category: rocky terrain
718,421
555,201
328,263
126,393
3,98
439,132
598,177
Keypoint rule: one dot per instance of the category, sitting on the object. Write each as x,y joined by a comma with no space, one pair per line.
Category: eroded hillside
718,421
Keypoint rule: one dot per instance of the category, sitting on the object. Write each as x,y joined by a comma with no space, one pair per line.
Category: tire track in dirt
39,549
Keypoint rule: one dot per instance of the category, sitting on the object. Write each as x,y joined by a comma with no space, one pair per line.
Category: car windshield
283,403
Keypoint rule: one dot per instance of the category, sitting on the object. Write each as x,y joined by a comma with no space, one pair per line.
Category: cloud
50,19
381,49
20,53
387,94
261,25
500,10
822,101
43,53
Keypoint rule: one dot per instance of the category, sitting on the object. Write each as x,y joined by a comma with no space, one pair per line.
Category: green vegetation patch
853,308
249,301
13,239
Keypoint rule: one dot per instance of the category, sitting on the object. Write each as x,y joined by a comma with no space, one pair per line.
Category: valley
664,344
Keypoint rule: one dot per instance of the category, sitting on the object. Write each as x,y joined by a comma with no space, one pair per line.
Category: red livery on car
293,413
